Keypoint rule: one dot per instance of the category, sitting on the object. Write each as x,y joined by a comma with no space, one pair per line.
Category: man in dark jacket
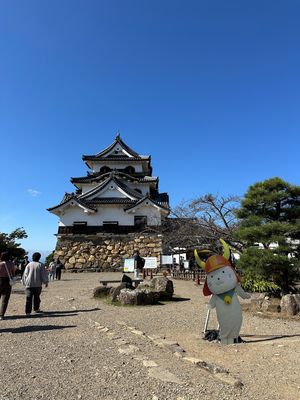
139,263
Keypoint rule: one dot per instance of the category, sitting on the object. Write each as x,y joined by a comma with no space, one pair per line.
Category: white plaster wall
75,213
118,148
108,213
145,187
152,213
87,187
109,192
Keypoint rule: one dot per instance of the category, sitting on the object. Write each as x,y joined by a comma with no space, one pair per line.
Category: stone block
289,305
101,291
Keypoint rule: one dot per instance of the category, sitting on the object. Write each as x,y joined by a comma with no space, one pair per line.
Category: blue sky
209,88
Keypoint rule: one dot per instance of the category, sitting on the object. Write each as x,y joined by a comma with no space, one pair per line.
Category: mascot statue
223,284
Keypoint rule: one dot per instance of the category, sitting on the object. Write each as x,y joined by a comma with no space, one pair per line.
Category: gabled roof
111,200
147,199
111,178
115,158
122,175
133,156
70,198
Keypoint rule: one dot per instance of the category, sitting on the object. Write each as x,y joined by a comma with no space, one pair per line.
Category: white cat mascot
223,284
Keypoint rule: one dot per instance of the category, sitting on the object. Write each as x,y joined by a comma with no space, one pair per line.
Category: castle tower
116,202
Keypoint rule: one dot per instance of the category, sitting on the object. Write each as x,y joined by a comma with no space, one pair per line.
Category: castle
112,211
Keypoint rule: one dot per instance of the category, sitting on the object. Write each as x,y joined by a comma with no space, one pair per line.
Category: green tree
270,216
49,258
8,243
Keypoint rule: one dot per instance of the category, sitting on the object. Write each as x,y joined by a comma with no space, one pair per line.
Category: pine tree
270,216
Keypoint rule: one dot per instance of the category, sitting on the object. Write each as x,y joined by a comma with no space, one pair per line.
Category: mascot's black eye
211,276
223,272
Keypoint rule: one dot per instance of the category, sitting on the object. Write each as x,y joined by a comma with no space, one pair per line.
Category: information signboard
186,265
166,260
150,262
128,265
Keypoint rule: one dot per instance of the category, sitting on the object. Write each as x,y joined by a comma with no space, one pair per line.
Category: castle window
104,169
110,223
129,170
140,220
79,227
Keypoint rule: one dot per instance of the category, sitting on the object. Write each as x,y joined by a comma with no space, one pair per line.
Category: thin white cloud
33,192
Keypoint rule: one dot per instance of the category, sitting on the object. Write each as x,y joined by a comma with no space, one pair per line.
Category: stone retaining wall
105,252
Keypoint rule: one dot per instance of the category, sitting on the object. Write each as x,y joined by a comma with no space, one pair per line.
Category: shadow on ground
35,328
266,338
172,300
178,299
51,314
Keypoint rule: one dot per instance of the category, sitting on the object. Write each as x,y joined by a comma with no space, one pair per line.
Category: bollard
151,274
197,280
144,273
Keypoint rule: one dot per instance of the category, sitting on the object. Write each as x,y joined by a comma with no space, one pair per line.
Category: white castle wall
143,187
108,213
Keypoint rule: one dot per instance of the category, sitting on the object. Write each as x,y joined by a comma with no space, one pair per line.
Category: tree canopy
8,243
202,222
270,217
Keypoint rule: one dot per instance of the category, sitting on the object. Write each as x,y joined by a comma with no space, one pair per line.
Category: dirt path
83,348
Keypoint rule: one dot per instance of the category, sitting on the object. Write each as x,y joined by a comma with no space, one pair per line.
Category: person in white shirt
34,276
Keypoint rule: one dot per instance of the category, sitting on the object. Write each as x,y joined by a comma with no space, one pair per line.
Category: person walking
139,263
52,270
23,265
34,276
59,266
7,271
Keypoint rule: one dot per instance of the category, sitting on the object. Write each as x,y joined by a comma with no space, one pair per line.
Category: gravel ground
84,348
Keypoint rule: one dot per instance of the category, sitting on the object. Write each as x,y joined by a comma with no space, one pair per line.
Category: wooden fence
197,276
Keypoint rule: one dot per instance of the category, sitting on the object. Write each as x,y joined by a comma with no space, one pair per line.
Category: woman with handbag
7,272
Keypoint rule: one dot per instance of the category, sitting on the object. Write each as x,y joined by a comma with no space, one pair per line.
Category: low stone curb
219,372
128,349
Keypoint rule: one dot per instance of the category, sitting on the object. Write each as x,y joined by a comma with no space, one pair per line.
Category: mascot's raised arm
223,284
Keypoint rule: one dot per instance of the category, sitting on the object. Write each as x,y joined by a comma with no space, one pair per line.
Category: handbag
12,280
